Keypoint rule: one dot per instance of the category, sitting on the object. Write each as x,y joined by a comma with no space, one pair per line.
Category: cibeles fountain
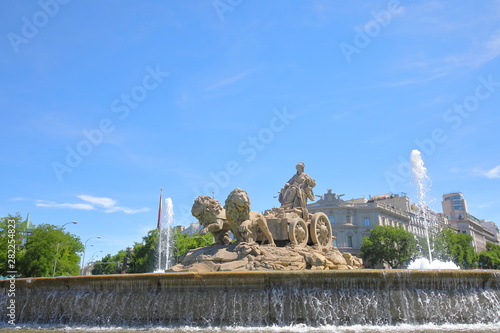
282,238
281,272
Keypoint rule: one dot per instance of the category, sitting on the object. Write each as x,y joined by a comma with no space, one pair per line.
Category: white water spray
424,263
165,241
420,178
419,175
423,184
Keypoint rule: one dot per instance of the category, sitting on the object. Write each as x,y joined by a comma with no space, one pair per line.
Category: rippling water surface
485,328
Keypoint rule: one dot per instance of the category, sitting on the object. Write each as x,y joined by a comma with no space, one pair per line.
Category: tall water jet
423,185
165,239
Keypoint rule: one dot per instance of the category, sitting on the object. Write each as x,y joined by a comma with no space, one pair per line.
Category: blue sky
105,102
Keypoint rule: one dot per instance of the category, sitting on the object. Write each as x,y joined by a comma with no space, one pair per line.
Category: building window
332,219
367,222
349,241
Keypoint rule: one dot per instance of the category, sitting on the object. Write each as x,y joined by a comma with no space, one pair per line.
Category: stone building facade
455,209
354,219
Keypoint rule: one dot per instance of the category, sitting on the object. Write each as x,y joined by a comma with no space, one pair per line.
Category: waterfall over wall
371,297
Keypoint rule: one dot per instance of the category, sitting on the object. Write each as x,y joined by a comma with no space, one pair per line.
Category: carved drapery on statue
297,190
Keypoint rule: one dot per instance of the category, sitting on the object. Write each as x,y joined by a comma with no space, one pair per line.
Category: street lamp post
74,222
85,249
57,251
94,255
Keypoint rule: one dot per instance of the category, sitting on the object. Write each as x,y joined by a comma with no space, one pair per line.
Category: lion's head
237,206
206,209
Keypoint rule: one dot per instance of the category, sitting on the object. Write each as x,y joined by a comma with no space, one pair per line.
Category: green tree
12,235
460,249
145,255
387,244
438,245
491,257
109,264
48,247
184,243
143,258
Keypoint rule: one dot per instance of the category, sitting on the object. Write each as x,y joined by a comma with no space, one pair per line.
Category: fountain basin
315,298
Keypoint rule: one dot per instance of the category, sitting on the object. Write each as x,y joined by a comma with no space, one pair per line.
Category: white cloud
51,204
126,210
103,202
493,173
109,205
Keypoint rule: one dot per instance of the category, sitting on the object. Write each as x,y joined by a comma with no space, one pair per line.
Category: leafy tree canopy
392,245
109,264
460,249
48,247
491,257
145,253
143,256
184,242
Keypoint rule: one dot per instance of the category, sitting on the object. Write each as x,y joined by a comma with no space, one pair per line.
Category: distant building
455,209
193,229
354,219
181,228
455,206
491,226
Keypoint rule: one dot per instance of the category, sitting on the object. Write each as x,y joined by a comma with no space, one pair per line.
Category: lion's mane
237,207
206,209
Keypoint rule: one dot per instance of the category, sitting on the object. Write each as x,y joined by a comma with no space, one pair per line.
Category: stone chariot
316,230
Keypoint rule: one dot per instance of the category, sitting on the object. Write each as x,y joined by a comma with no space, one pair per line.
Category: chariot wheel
298,232
321,230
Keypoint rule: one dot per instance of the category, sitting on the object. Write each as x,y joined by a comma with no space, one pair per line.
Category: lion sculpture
248,224
212,217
